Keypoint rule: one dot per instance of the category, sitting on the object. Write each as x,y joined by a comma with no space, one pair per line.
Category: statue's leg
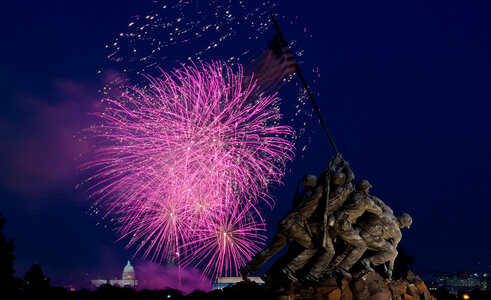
279,241
385,251
383,256
301,236
300,260
320,267
338,258
352,238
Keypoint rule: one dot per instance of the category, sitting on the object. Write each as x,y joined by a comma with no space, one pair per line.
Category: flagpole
311,97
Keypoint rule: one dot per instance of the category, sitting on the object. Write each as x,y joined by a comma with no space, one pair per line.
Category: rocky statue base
363,285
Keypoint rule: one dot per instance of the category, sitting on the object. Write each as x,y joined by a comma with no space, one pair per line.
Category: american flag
272,67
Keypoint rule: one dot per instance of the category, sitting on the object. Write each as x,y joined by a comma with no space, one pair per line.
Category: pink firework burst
179,157
228,242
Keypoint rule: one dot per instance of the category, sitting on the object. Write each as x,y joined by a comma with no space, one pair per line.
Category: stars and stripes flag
272,67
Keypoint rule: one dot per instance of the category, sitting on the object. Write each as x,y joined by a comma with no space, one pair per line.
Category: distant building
128,279
464,281
98,282
222,282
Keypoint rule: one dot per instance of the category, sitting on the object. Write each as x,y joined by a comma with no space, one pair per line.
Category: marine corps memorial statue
345,237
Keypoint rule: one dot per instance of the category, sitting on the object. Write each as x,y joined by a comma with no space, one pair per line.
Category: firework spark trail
186,157
173,32
227,243
175,24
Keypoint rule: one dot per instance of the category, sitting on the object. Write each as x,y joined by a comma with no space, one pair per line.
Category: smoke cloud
43,150
154,276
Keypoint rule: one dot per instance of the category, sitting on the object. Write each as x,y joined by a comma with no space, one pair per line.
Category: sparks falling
182,164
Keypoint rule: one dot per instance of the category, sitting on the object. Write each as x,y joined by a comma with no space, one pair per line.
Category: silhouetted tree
7,278
35,280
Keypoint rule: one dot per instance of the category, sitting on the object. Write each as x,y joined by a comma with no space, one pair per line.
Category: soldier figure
352,209
383,234
294,227
340,188
385,208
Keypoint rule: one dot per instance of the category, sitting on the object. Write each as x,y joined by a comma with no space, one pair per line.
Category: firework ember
183,163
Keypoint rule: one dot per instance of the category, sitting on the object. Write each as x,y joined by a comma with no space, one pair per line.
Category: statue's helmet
362,184
309,181
338,178
405,220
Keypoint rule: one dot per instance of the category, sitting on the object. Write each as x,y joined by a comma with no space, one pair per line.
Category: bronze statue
330,212
383,234
352,209
293,227
358,252
322,221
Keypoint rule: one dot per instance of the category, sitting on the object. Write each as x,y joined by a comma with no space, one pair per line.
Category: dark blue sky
404,89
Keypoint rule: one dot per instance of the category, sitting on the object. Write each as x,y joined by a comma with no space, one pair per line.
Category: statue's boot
311,278
366,264
342,272
289,274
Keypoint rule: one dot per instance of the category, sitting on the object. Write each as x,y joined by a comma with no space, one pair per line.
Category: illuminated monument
128,278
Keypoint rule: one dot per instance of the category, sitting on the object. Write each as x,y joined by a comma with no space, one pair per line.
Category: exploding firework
226,243
183,162
172,32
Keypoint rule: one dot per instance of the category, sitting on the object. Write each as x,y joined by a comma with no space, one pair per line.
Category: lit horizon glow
183,162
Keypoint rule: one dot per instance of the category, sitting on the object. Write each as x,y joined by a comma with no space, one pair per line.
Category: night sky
405,90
